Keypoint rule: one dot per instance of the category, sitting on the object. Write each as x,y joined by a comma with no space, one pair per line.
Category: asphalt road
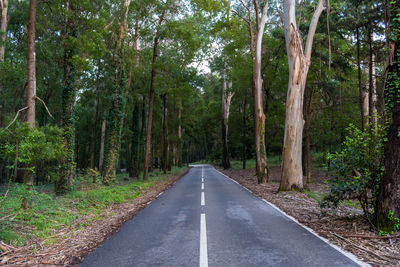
206,219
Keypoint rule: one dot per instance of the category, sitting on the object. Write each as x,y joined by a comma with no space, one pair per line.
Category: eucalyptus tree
299,61
388,202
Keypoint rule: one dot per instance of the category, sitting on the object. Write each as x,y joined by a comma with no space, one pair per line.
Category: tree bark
66,174
102,140
360,88
259,119
164,135
299,62
389,191
151,96
96,119
307,133
373,112
30,116
226,102
3,29
179,154
117,108
244,154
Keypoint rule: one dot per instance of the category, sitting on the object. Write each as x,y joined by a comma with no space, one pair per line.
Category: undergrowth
51,213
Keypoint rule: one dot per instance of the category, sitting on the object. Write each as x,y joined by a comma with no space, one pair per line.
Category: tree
389,193
3,27
226,103
151,94
31,95
117,108
65,179
299,62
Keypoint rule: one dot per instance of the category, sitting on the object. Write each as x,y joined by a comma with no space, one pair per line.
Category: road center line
202,186
203,241
202,199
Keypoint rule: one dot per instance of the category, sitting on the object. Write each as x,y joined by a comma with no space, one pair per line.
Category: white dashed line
203,242
202,199
202,186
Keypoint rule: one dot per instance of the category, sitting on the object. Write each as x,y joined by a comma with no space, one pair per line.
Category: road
206,219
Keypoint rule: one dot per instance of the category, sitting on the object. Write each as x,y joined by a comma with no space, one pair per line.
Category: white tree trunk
259,120
373,96
299,62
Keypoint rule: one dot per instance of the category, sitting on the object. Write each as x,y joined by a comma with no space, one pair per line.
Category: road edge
344,252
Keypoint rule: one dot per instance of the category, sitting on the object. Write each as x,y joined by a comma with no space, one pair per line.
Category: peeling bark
299,62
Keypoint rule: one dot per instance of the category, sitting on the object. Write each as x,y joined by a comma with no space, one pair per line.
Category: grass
50,213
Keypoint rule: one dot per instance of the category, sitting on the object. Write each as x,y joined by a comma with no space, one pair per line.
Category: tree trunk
102,140
360,89
373,112
307,134
164,135
117,108
244,154
259,119
389,191
3,29
299,62
151,96
179,154
66,174
96,119
135,147
30,116
226,99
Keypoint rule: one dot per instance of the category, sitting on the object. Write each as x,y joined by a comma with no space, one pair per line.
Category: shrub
357,169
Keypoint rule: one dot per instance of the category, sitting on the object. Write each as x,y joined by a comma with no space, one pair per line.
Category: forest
102,101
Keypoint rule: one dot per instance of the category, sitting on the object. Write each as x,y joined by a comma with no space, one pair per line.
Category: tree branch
16,116
44,104
313,27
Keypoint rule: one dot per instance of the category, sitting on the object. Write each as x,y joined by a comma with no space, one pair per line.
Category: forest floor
344,227
68,244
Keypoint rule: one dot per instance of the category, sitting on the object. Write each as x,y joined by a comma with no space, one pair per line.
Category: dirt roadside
74,243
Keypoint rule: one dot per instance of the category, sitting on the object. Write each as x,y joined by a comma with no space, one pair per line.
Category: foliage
20,143
357,169
50,213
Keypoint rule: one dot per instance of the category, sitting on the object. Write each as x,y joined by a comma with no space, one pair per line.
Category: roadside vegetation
51,213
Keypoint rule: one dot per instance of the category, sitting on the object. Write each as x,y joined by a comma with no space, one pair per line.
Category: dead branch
16,116
359,247
44,104
371,236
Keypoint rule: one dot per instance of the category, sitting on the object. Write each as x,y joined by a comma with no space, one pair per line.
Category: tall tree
299,62
31,94
3,28
117,108
259,115
389,193
152,93
227,95
65,179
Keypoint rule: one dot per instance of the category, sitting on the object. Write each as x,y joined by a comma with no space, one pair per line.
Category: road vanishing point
206,219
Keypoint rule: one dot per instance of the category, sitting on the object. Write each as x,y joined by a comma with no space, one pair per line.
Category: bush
32,147
357,169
